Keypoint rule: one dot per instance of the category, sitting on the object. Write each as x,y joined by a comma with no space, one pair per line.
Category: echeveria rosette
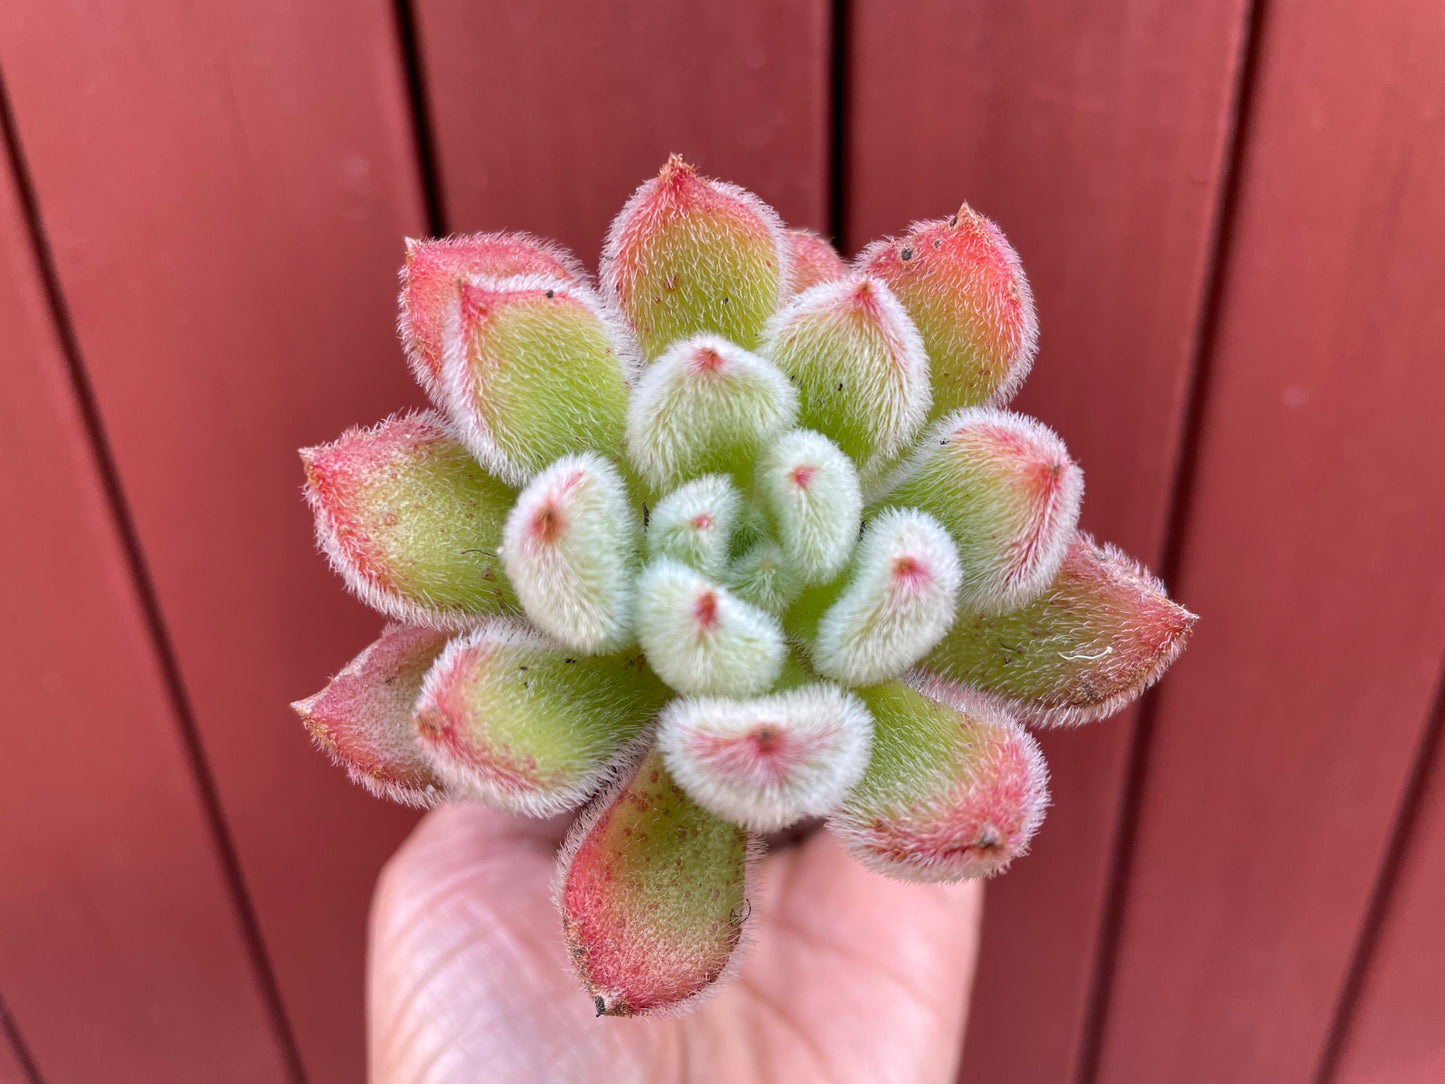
735,537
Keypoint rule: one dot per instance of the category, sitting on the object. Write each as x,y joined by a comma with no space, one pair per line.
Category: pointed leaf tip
431,272
362,719
964,287
1103,632
949,794
689,255
653,891
411,521
858,363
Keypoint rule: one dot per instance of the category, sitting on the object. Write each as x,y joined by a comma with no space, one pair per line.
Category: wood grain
121,954
1312,547
1094,135
548,116
1396,1033
227,186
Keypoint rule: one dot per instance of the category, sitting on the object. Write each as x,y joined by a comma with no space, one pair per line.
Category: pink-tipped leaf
814,260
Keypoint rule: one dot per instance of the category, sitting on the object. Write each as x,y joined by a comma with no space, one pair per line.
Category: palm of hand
853,977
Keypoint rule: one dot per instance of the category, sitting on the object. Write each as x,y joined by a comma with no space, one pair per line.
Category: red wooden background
1233,215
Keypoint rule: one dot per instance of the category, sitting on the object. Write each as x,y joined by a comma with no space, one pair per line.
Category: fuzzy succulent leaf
534,368
761,576
433,269
898,603
951,792
859,364
362,719
694,524
689,255
814,260
964,287
706,406
569,547
509,719
769,762
411,521
814,499
1005,489
1103,632
653,892
703,640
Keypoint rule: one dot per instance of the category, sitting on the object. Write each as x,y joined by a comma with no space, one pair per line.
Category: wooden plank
1312,550
227,186
1396,1033
120,947
548,116
1094,135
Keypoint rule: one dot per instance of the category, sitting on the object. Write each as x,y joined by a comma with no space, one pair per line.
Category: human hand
849,977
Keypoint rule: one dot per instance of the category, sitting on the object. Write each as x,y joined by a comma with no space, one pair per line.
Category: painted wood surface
1094,135
226,186
548,116
1313,541
11,1070
1396,1032
114,911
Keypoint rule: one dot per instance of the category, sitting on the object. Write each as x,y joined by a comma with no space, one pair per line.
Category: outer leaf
534,368
770,762
965,289
433,269
653,892
411,521
951,792
814,260
701,639
859,364
362,719
1098,637
897,605
570,548
509,719
689,255
1004,487
706,406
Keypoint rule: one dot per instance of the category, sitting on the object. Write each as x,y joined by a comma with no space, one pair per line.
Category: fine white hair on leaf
694,523
507,718
898,603
769,762
811,491
1006,490
533,366
569,548
705,406
859,364
700,638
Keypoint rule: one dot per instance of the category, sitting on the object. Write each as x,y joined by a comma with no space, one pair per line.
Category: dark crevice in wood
839,97
145,591
10,1033
1404,826
1180,506
423,129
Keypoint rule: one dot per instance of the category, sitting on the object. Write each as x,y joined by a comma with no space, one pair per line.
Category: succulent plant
738,537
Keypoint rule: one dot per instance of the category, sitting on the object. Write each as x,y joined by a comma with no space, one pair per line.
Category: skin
849,977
